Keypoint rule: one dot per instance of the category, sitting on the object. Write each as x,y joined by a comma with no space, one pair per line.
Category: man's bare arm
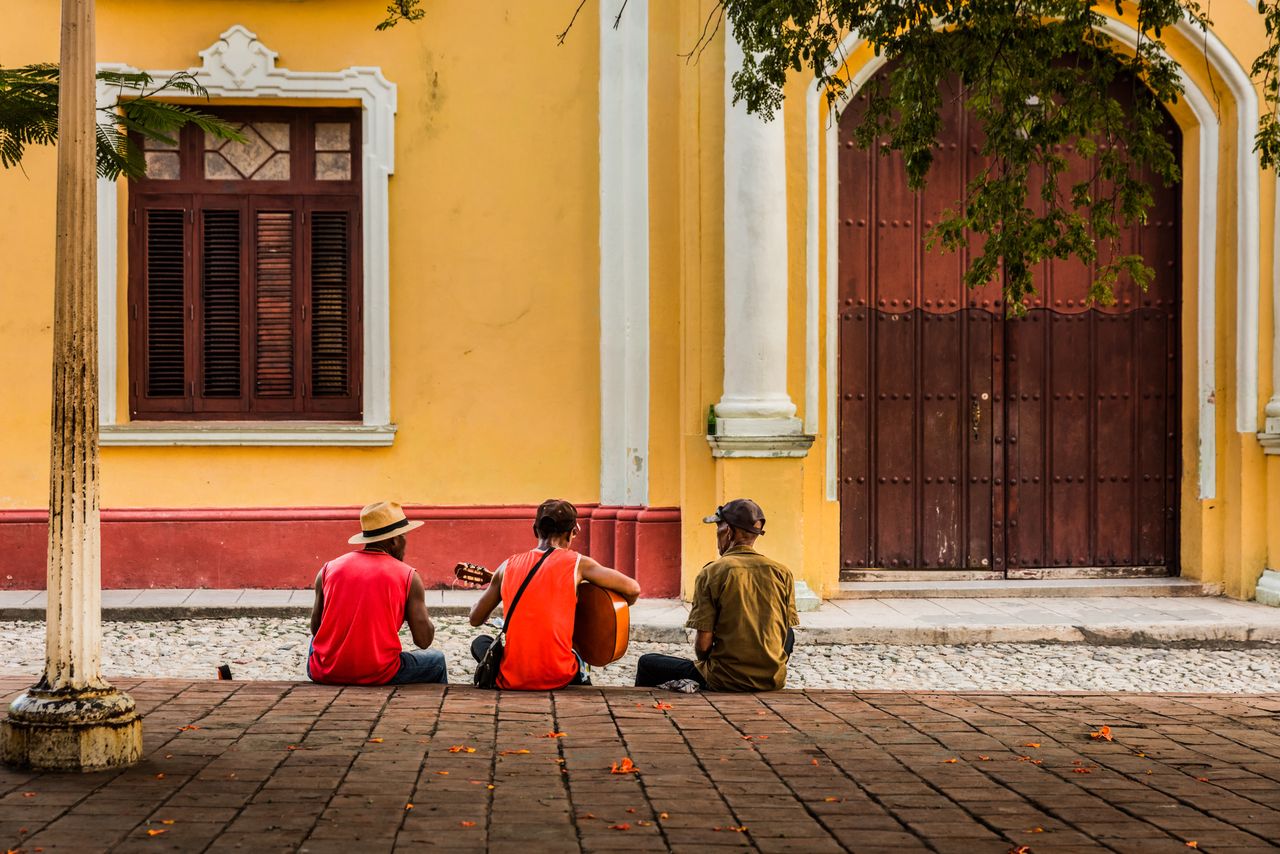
609,579
488,600
702,645
415,613
317,609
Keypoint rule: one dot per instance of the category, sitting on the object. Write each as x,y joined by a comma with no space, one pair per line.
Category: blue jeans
419,666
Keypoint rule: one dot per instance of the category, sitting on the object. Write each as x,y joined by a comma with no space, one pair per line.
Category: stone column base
1268,592
87,730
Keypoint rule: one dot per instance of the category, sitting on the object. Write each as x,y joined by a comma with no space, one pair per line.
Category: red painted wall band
285,547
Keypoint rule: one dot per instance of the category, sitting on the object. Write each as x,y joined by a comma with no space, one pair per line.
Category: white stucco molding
1270,436
1206,239
246,433
1268,591
237,65
624,255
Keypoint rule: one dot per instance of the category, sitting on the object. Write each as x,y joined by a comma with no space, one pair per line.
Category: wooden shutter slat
273,308
166,305
220,303
330,304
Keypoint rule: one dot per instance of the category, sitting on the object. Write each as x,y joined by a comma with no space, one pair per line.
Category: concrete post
755,415
72,720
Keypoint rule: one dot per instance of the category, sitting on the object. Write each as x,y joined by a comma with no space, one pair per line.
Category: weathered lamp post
72,720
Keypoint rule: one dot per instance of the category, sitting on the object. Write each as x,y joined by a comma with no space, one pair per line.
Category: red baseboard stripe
285,547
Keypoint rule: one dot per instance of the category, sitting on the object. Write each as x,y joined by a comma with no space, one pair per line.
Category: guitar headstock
472,573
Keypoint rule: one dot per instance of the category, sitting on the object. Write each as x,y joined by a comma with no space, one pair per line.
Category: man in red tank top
539,651
362,599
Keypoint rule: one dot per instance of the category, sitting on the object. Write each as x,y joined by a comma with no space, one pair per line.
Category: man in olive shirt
744,606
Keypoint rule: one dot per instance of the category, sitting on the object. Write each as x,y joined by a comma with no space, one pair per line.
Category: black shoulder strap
510,612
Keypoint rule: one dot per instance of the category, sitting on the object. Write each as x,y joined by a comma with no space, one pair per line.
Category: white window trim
237,65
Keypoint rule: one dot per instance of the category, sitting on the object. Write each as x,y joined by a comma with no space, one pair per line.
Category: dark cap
555,516
741,513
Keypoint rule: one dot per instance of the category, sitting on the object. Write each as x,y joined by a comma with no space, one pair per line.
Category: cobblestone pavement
273,648
279,767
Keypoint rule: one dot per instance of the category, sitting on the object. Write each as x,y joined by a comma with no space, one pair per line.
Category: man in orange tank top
539,653
362,599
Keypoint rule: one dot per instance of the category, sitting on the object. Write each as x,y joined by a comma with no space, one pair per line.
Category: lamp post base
91,729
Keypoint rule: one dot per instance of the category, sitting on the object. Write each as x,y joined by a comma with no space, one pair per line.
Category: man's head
738,523
382,528
556,519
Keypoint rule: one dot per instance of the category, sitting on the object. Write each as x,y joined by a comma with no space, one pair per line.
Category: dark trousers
654,669
481,643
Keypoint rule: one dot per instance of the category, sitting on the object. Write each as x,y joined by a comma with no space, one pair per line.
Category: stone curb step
668,628
1072,588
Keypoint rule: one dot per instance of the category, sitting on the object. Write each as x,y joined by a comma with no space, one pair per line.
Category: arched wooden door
1040,445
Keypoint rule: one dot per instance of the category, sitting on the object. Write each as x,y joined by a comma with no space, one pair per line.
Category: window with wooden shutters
244,271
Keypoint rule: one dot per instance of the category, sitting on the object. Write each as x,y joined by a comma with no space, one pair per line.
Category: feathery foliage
29,115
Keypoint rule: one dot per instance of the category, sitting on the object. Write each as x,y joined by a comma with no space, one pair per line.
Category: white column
624,254
755,416
1273,405
72,720
1268,592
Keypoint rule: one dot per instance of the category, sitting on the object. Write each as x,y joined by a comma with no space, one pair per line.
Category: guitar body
601,626
601,623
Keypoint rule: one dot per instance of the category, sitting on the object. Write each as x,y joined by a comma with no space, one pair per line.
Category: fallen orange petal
664,815
490,786
443,773
156,831
950,761
1102,732
625,766
467,823
1203,779
1193,844
661,706
160,776
834,800
813,762
1082,770
28,794
1020,849
739,828
554,734
1032,744
631,810
458,748
984,758
623,826
511,752
167,821
376,740
187,728
644,823
1036,830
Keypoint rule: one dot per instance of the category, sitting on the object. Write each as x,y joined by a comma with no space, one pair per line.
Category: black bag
487,668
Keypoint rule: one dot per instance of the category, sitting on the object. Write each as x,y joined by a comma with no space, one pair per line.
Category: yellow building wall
494,283
494,260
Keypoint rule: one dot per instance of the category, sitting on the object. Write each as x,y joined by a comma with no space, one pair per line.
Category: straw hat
382,520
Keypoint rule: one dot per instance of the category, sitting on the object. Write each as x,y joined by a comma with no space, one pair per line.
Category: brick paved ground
280,766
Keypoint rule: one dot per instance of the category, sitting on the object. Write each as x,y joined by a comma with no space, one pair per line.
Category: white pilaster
1270,437
755,416
624,254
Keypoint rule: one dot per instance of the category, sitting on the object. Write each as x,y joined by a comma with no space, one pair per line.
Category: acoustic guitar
601,623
